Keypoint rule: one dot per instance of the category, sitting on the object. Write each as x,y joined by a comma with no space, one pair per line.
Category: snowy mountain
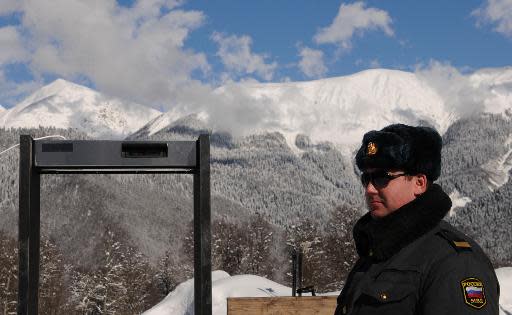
63,104
2,108
338,109
165,123
341,109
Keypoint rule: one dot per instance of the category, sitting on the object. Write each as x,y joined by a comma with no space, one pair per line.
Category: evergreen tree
53,293
340,252
258,241
123,284
306,238
8,274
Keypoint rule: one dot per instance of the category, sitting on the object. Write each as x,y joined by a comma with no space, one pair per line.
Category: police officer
410,260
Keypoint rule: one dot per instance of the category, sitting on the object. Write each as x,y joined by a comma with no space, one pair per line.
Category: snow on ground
498,169
458,201
181,300
505,278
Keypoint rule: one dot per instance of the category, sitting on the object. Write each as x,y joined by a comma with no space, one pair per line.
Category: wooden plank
286,305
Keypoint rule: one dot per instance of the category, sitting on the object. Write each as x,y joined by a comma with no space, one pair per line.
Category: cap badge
371,149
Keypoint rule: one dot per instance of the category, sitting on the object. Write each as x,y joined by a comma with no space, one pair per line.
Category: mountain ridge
63,104
338,109
341,109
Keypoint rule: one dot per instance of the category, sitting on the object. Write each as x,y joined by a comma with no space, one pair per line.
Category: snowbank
181,300
505,278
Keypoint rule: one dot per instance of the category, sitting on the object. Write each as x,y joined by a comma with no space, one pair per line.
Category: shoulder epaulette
459,244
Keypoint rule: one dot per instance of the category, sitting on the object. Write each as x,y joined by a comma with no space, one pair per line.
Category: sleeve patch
473,291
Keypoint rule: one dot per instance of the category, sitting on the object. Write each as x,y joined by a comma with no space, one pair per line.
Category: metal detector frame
185,157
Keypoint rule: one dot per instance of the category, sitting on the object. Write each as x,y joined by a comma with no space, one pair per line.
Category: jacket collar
384,237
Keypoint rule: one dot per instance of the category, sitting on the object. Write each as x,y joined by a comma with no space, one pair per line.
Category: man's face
397,191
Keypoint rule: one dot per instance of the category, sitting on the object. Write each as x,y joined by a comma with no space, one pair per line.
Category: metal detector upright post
296,270
110,157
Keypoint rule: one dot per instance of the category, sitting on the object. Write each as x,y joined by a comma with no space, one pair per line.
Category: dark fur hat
412,149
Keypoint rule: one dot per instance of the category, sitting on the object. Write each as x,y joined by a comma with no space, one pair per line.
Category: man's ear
420,184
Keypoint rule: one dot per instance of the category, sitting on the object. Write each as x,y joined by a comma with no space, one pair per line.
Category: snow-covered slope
342,108
171,120
458,201
2,109
505,278
337,109
64,104
498,168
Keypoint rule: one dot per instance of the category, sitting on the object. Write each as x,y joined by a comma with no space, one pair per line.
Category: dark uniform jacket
413,262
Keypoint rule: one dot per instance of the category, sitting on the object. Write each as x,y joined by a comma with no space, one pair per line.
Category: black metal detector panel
115,154
104,157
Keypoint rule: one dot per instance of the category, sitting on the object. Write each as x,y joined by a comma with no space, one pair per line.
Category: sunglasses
379,179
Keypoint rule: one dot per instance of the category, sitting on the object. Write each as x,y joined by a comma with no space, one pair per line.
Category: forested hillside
470,146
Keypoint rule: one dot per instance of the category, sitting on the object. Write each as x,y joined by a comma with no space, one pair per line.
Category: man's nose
370,189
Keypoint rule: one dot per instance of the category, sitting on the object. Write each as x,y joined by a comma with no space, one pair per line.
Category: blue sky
423,30
157,50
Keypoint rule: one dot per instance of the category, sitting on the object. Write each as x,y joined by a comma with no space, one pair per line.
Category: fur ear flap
414,149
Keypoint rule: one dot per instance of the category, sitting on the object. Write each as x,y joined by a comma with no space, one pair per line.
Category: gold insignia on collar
371,149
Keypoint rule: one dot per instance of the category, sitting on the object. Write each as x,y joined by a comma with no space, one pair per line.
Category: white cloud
497,12
135,52
459,93
353,18
312,63
11,52
148,8
9,6
374,63
236,55
12,48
